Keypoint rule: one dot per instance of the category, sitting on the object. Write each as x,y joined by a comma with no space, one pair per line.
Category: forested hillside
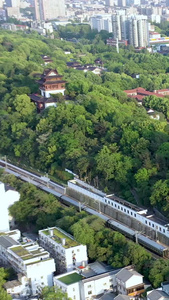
98,133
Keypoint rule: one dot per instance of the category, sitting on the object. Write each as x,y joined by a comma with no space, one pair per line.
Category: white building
129,282
87,282
101,22
29,259
8,198
138,31
49,9
67,252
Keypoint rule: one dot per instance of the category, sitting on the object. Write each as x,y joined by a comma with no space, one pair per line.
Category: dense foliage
53,294
3,276
98,132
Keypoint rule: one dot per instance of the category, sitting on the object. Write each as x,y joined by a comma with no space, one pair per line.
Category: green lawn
71,278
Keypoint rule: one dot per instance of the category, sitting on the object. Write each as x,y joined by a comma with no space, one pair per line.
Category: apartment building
133,28
30,260
49,9
67,252
101,22
88,282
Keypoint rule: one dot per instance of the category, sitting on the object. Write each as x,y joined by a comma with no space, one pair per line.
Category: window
108,202
89,286
89,292
160,228
149,224
105,201
164,230
122,208
78,250
152,225
74,297
73,289
110,280
135,215
41,277
146,222
118,207
131,213
128,211
115,205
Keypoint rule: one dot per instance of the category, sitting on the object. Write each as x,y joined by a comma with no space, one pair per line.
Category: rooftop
7,241
29,251
58,235
71,278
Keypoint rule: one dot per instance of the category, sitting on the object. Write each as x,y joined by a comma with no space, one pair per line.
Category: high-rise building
12,3
49,9
131,28
138,31
119,23
109,2
101,22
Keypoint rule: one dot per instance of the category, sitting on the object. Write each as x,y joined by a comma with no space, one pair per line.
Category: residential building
157,295
109,2
50,83
88,282
49,9
29,259
8,198
12,3
122,297
138,31
133,28
67,252
129,282
101,22
140,93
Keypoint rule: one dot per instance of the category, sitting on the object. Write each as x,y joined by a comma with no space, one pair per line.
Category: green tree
53,293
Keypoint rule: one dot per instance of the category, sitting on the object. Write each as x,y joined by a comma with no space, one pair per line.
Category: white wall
80,253
134,280
7,199
41,274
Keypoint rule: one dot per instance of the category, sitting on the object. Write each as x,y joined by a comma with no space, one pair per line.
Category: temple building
50,83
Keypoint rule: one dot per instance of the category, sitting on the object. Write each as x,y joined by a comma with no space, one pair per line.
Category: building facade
8,198
68,253
49,9
101,22
28,259
88,282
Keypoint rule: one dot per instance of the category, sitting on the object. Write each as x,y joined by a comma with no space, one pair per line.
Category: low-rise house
66,251
157,295
129,282
123,297
90,282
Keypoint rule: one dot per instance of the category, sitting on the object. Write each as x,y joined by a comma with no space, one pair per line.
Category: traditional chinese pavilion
50,83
